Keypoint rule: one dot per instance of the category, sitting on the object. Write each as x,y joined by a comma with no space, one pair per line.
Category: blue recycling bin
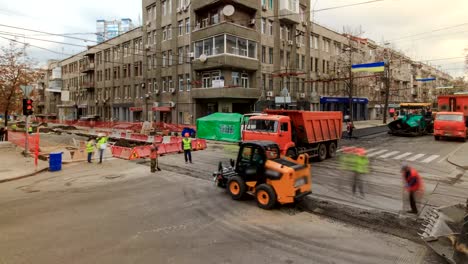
55,161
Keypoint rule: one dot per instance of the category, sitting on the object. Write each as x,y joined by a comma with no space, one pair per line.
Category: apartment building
193,58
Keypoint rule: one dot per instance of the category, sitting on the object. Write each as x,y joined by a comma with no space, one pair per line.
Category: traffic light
28,107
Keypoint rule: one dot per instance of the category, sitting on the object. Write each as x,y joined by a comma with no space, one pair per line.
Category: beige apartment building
193,58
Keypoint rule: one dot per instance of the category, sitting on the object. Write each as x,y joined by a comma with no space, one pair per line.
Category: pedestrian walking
2,133
349,129
102,145
154,157
187,147
413,185
90,147
360,167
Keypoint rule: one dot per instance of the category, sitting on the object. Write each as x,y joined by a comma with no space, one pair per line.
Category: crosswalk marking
415,157
431,158
389,154
370,150
376,153
404,155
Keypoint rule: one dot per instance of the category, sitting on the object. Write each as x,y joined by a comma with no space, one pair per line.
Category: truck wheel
331,150
322,152
266,196
436,137
291,153
237,188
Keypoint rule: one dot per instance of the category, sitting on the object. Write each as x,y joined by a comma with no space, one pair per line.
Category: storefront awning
136,109
161,109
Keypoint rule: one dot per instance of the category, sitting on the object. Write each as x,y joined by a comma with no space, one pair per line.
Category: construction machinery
297,132
260,171
415,119
445,230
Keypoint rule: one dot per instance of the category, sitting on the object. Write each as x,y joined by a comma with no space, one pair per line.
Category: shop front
359,106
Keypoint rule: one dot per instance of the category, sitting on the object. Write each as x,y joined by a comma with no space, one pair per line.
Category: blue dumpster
55,161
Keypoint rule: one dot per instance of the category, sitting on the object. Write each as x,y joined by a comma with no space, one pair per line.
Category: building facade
108,29
193,58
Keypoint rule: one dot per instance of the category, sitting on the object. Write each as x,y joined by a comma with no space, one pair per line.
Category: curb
456,164
25,176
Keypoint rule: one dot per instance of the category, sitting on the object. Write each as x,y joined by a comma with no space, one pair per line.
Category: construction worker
90,146
349,129
360,167
413,185
102,145
154,157
187,147
30,130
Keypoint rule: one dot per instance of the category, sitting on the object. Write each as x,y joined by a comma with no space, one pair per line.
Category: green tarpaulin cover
220,126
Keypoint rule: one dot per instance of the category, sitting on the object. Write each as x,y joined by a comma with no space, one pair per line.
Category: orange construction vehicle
261,171
297,132
452,118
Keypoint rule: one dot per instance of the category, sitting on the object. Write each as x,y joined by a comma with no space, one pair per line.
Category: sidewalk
460,156
15,166
366,124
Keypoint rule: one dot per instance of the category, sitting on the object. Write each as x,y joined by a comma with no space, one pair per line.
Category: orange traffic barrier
194,144
202,143
173,147
124,154
142,151
134,155
158,139
116,151
162,149
175,139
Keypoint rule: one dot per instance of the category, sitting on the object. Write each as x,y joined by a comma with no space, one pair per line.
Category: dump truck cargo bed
313,127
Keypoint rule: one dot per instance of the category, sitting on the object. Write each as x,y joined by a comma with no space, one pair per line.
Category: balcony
89,67
235,92
289,12
226,61
88,85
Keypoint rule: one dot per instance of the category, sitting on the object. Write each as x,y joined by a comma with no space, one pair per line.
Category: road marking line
370,150
377,153
415,157
389,154
404,155
431,158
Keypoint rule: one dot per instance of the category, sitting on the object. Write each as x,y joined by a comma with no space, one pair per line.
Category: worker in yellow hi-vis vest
187,147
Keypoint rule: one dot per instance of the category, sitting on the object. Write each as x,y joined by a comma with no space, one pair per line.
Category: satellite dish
202,58
229,10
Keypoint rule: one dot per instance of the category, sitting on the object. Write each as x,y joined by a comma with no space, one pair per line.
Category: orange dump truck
297,132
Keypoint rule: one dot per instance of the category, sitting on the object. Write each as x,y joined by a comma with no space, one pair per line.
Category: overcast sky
388,20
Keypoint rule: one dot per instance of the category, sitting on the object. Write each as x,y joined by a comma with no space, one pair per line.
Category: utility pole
351,83
387,87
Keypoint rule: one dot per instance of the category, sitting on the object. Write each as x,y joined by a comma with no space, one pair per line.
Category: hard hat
186,134
348,150
404,166
100,135
360,151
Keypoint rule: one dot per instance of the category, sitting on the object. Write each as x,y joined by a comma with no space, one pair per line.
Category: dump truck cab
261,171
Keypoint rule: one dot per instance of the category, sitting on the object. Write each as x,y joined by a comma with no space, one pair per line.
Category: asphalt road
120,213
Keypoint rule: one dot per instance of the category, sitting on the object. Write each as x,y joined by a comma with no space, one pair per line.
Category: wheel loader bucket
444,230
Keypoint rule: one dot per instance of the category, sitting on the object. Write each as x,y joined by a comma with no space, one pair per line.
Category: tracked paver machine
445,230
416,120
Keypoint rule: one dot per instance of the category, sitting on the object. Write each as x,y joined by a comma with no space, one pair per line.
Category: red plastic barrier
124,154
116,151
158,139
123,135
173,147
194,144
162,149
139,137
202,142
142,151
175,139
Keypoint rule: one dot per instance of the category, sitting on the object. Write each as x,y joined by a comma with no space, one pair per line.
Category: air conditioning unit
252,21
171,104
191,54
302,95
155,104
147,46
270,94
290,42
148,23
156,91
172,90
304,23
264,7
179,10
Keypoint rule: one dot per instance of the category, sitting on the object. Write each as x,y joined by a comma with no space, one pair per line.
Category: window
263,54
208,47
181,82
149,13
169,31
226,129
164,34
326,45
154,37
181,27
270,27
187,25
263,27
270,55
284,127
164,84
170,85
169,58
164,7
164,59
316,42
219,45
188,82
149,60
271,4
235,78
180,52
281,32
209,77
245,80
149,38
187,49
302,61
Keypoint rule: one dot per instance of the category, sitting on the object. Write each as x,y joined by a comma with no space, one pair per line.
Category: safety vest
361,164
89,147
30,130
101,141
187,143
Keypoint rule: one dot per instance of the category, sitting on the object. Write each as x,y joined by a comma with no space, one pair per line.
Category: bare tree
16,69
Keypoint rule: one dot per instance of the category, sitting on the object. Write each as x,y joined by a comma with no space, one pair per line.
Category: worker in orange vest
154,157
413,185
